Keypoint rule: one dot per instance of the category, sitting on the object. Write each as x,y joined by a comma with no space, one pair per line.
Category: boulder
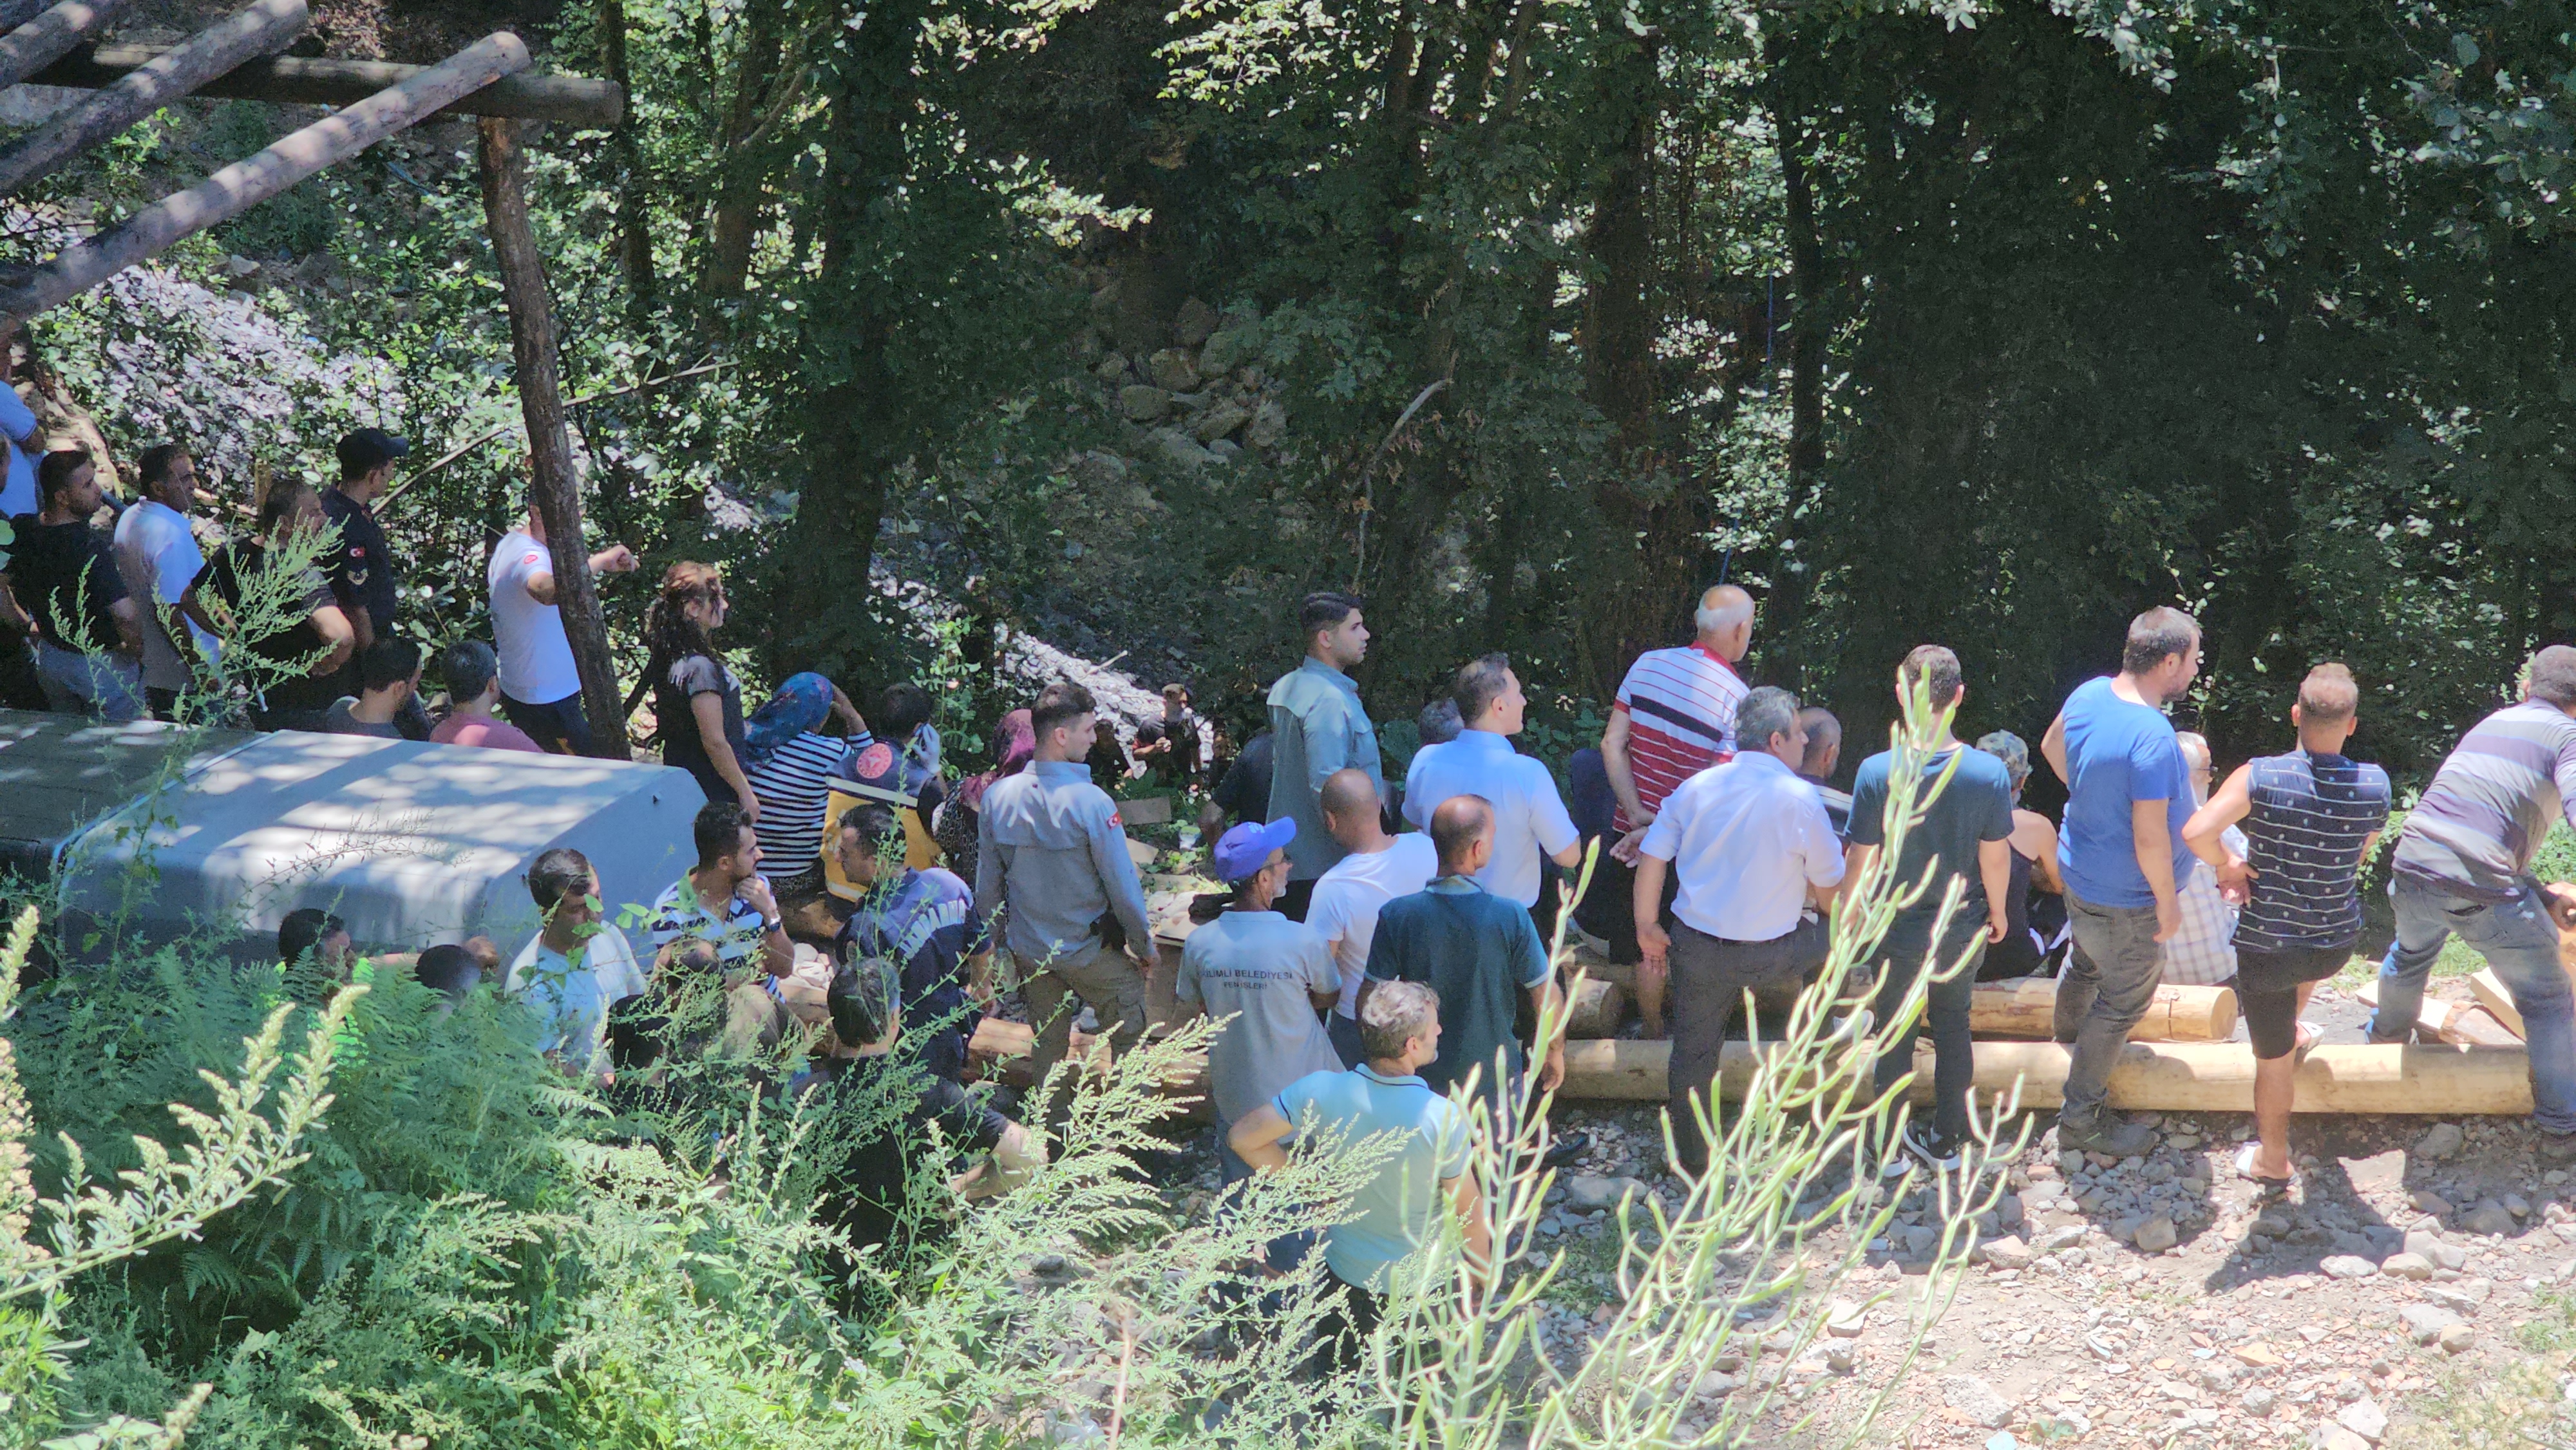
2005,1253
2348,1266
1226,450
2490,1218
1220,420
1142,404
1173,369
1226,350
2458,1339
2407,1266
1111,369
1587,1192
2440,1254
2155,1235
1179,448
1194,324
2425,1322
1269,424
1977,1400
2440,1141
2363,1417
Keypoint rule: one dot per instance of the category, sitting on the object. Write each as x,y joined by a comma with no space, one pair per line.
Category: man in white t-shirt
158,556
540,688
1530,820
1344,909
576,968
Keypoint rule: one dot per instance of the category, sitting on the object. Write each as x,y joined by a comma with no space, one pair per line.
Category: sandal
2310,1034
2245,1170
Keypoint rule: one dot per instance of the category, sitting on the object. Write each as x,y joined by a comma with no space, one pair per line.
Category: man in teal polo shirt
1392,1212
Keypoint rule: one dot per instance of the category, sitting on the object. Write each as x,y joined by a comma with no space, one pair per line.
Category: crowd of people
1378,959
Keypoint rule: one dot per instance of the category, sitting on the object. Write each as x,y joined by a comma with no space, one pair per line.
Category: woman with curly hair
697,702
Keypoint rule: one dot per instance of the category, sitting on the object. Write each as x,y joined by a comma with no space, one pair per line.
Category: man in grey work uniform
1052,846
1318,726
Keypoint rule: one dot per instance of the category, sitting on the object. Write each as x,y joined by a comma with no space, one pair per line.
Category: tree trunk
553,487
1666,518
737,214
634,222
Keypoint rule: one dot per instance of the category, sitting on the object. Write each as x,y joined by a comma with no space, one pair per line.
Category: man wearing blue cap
1264,976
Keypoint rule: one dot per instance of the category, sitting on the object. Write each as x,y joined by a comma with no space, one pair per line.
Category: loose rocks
2425,1322
1977,1400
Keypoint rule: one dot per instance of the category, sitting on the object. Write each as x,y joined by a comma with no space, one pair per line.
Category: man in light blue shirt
1336,1112
1530,820
1318,726
1052,845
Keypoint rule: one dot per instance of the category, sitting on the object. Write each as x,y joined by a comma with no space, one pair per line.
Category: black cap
369,449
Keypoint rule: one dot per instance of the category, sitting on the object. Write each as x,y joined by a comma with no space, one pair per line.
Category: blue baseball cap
1243,851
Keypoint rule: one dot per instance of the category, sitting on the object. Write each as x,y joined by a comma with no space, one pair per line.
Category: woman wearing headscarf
1014,743
789,762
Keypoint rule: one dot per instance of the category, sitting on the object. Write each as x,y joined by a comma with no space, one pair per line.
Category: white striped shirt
792,786
1680,705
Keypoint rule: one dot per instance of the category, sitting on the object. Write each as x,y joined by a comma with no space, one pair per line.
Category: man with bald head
1674,717
1480,952
1349,896
1824,757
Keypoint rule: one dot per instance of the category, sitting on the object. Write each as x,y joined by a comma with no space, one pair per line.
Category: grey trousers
2110,979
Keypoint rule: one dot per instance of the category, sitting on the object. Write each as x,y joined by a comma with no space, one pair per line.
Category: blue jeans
108,686
2520,942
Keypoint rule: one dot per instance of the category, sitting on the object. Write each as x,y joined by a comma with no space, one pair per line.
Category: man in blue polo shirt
1530,822
2128,794
1391,1213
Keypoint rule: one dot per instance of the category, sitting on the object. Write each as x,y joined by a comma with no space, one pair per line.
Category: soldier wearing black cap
362,573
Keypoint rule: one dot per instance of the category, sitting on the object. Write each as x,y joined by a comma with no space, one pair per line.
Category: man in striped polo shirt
2310,818
2463,865
1674,717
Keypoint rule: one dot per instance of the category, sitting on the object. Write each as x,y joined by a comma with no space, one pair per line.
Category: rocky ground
2157,1300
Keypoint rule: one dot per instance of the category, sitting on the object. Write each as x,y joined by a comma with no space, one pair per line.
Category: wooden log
2492,995
553,487
2464,1023
299,80
2024,1008
2028,1008
259,28
248,182
2164,1077
43,39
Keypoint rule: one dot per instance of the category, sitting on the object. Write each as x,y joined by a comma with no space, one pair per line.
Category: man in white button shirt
1529,818
1753,847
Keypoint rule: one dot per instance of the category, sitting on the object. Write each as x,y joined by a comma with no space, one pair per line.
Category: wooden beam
2028,1008
303,81
257,29
247,183
2166,1077
553,487
41,40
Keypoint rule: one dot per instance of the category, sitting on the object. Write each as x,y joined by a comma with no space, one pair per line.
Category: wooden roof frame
49,42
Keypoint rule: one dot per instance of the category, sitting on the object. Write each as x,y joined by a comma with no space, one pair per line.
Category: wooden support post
2169,1077
2028,1008
553,486
247,183
261,27
295,80
46,38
